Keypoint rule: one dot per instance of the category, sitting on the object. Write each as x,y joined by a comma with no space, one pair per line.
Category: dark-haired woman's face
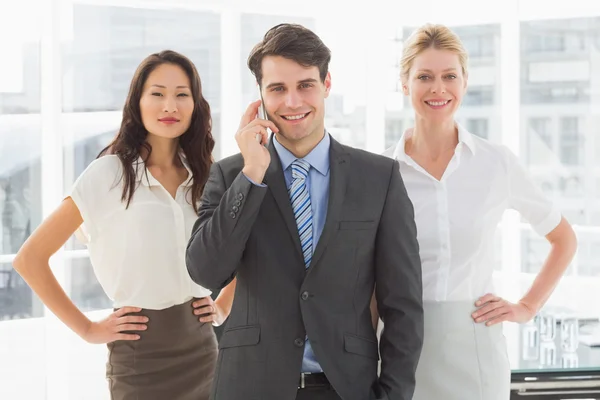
166,103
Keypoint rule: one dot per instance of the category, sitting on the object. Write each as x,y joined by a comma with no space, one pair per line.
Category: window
393,131
479,96
539,141
571,141
557,76
478,126
20,152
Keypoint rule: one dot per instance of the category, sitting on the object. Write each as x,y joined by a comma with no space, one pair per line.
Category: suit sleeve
219,236
399,292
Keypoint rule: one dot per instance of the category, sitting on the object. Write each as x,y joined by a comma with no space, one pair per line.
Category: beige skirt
461,359
174,358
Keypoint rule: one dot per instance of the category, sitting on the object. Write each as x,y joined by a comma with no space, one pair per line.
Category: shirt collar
145,177
318,158
464,138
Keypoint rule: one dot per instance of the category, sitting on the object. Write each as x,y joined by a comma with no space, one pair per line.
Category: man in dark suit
311,229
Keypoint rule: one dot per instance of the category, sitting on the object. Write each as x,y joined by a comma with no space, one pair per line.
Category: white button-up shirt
138,253
457,216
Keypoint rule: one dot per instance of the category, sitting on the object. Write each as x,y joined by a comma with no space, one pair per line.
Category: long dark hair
196,143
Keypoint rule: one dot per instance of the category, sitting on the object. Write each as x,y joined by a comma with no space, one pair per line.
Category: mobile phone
262,114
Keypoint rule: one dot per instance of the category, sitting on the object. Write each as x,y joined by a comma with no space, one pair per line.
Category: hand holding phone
262,114
256,156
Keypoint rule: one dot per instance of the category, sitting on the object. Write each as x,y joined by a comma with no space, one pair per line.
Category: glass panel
560,87
86,292
17,301
20,125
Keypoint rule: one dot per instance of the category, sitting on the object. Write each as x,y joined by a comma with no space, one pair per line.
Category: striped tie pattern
302,208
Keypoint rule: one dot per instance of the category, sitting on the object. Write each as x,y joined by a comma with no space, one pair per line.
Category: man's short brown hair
294,42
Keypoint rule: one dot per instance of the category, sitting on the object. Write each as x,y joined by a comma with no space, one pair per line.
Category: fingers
488,307
491,313
250,113
254,132
259,124
487,298
501,318
210,318
126,310
262,134
250,118
205,301
123,336
204,310
132,319
130,327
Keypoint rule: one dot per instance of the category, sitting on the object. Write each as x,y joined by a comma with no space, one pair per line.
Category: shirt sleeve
87,194
528,199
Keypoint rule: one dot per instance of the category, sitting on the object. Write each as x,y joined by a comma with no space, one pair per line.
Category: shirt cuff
254,183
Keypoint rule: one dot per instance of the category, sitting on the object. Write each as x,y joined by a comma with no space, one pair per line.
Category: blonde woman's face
436,85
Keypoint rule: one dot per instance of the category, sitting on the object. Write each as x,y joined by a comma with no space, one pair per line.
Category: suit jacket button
299,342
232,215
304,296
237,203
235,208
240,196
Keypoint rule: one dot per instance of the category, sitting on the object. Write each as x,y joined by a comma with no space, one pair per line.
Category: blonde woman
460,186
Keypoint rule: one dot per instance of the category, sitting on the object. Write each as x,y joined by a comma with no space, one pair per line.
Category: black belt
308,379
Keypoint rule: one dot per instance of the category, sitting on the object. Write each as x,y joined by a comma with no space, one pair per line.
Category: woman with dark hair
134,207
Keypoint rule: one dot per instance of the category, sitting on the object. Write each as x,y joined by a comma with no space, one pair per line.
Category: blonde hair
427,36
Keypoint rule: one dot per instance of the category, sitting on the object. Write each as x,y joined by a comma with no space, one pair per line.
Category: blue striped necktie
302,208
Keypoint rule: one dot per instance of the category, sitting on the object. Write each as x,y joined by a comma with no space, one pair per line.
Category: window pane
393,130
534,250
571,141
560,113
86,292
20,125
17,301
478,126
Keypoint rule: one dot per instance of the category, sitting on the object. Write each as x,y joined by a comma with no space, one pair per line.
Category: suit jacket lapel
339,169
275,181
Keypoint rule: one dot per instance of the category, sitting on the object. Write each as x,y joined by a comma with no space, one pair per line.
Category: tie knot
300,169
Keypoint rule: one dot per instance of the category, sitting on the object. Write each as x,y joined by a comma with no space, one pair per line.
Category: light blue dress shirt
318,187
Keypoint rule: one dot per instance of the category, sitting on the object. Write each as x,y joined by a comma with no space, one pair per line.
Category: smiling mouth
438,103
295,117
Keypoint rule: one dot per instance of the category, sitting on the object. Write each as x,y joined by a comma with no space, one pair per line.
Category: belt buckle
302,382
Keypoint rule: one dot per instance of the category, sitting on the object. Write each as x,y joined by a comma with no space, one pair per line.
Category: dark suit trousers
317,393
